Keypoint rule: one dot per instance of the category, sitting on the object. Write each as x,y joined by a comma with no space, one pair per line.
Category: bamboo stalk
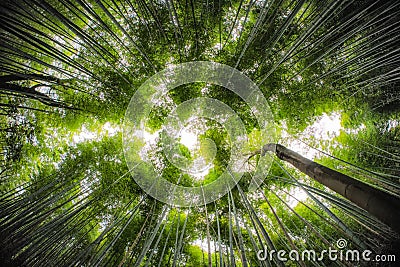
382,205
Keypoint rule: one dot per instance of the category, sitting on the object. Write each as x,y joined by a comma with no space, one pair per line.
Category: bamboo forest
199,133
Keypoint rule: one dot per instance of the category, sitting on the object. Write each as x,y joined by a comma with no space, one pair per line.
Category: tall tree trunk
382,205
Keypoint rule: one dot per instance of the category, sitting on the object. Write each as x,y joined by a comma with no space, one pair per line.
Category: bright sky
325,128
189,139
299,194
203,244
86,135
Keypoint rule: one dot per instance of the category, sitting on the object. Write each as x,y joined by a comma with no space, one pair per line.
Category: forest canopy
327,78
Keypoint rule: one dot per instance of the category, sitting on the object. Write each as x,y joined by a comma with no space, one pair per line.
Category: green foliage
67,195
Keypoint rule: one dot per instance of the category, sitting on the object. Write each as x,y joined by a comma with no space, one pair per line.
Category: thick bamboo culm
382,205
